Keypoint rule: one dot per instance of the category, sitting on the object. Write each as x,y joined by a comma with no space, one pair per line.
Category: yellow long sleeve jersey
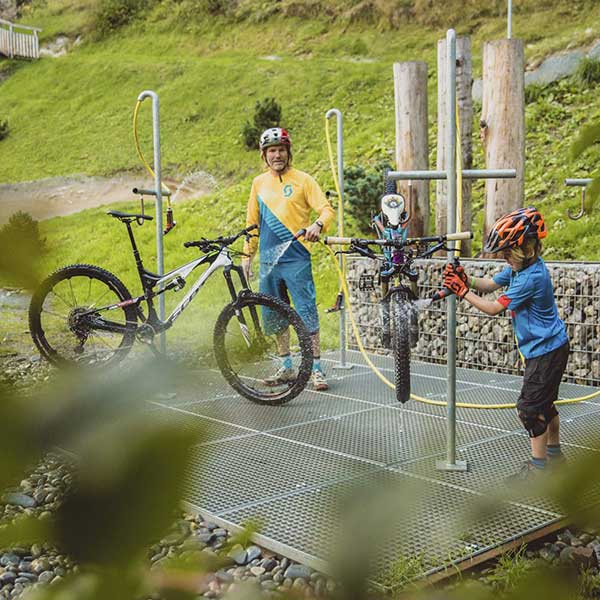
281,207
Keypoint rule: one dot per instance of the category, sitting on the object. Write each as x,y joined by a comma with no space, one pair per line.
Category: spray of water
195,183
422,303
273,256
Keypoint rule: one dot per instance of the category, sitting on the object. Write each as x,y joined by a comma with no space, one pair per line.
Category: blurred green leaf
26,530
587,137
19,448
129,485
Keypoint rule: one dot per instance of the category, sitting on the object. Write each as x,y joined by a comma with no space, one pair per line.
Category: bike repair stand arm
582,183
340,171
158,192
450,174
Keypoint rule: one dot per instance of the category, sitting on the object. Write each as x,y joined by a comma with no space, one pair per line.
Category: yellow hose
344,286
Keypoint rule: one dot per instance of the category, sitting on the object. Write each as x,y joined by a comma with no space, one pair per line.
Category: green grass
74,115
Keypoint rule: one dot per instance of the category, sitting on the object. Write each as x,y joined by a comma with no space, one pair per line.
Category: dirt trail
60,196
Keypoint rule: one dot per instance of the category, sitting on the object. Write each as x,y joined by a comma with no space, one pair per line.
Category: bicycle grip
461,235
331,240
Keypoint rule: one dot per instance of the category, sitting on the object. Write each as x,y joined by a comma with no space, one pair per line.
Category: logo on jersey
287,190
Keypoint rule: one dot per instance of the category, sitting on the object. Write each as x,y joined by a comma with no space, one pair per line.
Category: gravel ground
29,566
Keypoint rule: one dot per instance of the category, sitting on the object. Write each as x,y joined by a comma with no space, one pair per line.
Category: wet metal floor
290,467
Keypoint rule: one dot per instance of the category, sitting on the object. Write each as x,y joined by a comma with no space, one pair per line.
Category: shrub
588,71
363,189
267,113
4,130
22,231
111,15
533,93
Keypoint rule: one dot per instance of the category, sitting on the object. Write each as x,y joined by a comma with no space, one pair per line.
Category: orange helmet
514,228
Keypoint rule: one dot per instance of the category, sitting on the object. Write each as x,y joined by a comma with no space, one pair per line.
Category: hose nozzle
299,234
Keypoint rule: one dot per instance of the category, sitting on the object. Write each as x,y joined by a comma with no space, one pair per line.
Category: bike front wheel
251,337
401,313
76,317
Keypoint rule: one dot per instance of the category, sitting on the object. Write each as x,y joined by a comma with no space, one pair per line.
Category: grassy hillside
74,114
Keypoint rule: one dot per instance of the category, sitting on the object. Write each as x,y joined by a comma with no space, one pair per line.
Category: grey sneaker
283,375
318,381
556,461
527,473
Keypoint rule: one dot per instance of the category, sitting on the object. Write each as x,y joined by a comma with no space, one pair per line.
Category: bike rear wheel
249,340
400,309
69,322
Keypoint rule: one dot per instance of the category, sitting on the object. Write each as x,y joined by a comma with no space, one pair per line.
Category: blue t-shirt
530,298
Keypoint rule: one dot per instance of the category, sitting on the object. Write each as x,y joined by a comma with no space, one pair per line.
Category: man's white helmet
392,207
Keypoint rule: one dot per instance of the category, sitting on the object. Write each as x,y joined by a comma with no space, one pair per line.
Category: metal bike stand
340,149
451,464
159,194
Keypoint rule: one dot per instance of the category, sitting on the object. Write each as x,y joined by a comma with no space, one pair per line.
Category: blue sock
317,364
553,450
538,463
286,361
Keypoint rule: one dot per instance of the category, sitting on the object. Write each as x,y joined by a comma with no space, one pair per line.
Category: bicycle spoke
72,292
66,326
55,293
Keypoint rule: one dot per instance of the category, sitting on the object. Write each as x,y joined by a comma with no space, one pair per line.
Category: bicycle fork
245,330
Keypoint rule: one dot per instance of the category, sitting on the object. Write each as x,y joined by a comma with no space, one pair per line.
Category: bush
533,93
588,72
111,15
363,189
22,231
3,129
267,113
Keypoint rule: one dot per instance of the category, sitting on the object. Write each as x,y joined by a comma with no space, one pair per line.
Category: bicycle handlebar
221,241
345,241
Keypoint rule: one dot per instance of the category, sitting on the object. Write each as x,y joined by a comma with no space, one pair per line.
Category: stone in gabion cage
366,282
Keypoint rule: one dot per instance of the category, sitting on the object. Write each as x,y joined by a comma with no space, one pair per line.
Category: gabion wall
485,342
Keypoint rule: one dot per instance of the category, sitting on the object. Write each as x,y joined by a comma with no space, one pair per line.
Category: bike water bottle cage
393,210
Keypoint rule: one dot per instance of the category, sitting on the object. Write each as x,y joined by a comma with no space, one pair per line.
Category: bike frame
173,280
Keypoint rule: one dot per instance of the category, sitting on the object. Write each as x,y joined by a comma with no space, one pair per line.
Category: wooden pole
502,125
410,94
464,83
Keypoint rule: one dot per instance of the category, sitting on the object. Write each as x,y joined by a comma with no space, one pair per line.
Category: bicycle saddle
117,214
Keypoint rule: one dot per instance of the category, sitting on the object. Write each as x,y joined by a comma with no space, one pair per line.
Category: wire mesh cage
485,342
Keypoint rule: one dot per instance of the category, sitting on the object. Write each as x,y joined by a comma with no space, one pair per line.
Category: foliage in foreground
129,475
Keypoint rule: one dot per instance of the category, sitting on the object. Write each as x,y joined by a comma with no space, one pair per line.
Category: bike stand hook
581,208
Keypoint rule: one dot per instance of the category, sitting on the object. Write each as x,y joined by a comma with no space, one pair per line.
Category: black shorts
541,382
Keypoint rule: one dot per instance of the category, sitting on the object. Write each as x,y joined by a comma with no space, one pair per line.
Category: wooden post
464,83
410,94
502,125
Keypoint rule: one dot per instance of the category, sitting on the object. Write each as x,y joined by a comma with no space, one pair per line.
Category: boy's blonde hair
526,253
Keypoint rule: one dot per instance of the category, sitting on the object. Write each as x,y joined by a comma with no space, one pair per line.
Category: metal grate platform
293,467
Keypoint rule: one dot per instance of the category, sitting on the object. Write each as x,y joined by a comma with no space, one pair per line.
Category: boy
541,336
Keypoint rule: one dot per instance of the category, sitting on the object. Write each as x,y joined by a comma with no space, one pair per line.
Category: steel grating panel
490,463
502,419
582,431
207,431
238,472
309,406
292,465
431,524
385,435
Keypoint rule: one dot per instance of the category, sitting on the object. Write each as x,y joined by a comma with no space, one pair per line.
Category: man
281,200
541,336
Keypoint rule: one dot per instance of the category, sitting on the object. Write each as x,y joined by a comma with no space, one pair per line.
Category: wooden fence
19,41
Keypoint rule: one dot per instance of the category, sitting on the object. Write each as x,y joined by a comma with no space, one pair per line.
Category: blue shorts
290,280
